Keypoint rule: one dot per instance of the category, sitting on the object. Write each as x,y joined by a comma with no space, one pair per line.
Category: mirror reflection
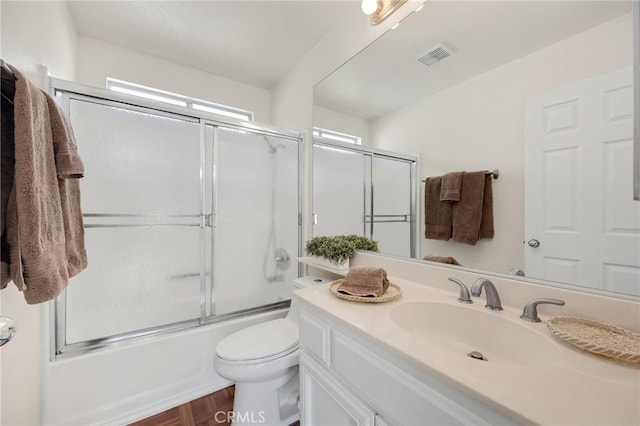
541,91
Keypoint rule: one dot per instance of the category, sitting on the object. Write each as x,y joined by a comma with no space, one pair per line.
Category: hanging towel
7,160
450,190
442,259
468,212
44,226
437,214
365,281
486,223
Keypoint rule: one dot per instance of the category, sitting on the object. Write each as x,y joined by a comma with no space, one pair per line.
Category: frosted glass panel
393,238
392,186
340,185
136,163
137,278
256,219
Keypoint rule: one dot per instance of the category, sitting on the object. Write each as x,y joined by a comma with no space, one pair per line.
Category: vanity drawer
315,337
382,384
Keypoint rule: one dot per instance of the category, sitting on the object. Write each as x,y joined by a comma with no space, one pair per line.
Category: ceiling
254,42
484,34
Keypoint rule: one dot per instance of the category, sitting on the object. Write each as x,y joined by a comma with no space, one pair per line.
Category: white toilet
262,360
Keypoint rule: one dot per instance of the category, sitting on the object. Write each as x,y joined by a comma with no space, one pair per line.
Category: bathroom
86,43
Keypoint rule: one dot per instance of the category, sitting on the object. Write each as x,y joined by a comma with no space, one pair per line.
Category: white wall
343,123
479,124
98,60
33,34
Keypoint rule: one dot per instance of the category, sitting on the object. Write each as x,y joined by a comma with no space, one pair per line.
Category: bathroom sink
462,329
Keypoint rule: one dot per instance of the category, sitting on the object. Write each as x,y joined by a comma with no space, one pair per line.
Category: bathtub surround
44,226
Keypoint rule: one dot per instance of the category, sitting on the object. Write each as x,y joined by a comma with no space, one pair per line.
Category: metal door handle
7,330
533,243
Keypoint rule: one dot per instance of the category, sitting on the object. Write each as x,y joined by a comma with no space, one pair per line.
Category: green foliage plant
339,248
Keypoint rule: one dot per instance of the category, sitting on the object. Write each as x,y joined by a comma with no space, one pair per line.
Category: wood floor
210,410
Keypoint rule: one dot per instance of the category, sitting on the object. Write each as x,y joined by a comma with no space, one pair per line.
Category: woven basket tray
392,293
597,337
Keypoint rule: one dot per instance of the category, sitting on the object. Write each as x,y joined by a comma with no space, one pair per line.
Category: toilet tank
303,282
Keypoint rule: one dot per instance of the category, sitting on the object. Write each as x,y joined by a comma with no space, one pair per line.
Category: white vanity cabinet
348,379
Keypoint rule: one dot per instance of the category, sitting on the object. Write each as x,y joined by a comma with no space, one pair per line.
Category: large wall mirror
542,91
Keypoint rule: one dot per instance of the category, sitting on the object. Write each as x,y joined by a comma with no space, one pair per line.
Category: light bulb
369,6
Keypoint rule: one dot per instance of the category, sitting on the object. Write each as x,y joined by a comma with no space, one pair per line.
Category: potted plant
336,251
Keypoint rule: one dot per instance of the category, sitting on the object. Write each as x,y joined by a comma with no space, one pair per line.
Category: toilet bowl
262,361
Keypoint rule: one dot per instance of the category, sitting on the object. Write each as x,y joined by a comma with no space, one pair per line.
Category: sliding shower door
391,221
365,192
188,220
255,239
140,199
340,191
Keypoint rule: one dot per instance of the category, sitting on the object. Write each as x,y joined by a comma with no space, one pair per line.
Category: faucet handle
464,292
530,311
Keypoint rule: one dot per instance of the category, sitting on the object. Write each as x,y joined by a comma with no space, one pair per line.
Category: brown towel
450,190
43,219
486,224
68,162
365,281
471,213
437,214
442,259
7,159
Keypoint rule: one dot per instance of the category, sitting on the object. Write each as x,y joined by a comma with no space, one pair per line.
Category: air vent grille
436,55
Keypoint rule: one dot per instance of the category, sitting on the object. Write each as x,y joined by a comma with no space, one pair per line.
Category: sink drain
476,355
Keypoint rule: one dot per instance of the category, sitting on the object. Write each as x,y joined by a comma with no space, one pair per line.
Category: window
336,136
178,100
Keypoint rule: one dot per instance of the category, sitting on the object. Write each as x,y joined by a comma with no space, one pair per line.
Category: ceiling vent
436,54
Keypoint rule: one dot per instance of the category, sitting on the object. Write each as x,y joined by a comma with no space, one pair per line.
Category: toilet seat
259,343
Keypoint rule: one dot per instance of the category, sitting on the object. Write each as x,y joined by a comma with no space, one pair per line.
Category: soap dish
598,338
392,293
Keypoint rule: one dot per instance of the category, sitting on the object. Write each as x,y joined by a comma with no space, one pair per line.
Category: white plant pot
321,261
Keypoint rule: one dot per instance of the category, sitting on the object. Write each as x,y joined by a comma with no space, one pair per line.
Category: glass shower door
255,205
141,203
359,191
341,194
391,220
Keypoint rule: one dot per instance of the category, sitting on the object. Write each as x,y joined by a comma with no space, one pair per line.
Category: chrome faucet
464,292
530,311
493,300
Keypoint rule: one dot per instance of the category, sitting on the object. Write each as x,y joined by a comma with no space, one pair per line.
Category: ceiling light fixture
379,10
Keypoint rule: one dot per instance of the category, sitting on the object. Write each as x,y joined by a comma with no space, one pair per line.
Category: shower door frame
414,231
68,91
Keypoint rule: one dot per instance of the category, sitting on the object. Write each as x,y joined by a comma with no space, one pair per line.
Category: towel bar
494,173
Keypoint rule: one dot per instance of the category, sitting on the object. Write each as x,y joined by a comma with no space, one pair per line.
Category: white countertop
578,388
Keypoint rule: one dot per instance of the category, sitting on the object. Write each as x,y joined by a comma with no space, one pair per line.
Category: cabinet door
325,402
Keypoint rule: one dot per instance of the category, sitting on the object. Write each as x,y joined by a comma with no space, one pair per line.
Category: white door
579,202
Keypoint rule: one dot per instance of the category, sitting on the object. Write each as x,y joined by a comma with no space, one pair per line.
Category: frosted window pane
136,163
137,278
257,182
338,191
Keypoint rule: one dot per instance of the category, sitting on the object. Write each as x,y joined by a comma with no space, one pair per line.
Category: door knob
7,330
533,243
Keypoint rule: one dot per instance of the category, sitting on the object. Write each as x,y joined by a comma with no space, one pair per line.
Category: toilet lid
259,341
